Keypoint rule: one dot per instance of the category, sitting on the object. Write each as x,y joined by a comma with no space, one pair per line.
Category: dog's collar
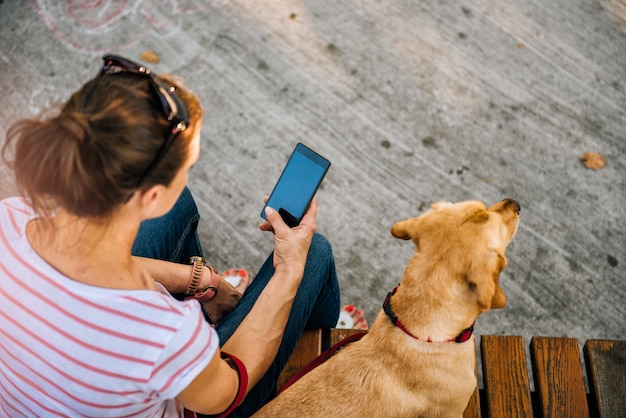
461,338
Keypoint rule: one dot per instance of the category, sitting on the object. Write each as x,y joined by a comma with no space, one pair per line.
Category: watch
197,272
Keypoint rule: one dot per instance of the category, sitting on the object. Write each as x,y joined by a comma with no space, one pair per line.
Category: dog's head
464,241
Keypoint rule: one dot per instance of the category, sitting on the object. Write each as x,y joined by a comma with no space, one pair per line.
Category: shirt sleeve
188,352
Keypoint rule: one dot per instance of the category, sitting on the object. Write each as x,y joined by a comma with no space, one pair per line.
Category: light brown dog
409,364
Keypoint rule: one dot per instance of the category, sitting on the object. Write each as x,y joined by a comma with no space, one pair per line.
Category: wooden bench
557,370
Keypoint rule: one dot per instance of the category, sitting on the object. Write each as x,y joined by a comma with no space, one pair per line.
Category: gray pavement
413,101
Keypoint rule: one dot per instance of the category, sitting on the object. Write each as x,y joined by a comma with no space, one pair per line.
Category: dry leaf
150,56
592,160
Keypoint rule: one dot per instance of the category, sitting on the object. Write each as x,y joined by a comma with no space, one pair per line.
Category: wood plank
309,346
558,375
338,334
505,376
606,368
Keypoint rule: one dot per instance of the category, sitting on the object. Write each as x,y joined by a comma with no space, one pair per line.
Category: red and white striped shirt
72,349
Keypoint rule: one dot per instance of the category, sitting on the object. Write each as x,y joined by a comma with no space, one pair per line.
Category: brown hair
89,157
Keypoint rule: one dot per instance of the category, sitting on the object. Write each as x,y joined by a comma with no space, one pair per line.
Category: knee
321,256
320,247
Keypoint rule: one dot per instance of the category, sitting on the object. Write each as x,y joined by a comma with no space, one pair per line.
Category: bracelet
196,275
210,291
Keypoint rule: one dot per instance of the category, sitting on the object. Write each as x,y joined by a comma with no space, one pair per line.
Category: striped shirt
72,349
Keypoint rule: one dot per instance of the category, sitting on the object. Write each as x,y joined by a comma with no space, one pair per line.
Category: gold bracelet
196,275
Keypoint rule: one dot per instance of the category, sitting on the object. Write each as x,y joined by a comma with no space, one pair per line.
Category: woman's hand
225,299
291,245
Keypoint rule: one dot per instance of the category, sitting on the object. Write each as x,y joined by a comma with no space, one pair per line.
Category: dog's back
361,381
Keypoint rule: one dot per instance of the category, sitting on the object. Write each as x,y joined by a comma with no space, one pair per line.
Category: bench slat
559,380
338,334
606,369
505,373
558,374
309,346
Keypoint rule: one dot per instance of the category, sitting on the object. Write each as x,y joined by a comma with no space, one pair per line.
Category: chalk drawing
99,26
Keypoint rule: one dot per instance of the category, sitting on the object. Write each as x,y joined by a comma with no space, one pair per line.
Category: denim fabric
173,237
316,305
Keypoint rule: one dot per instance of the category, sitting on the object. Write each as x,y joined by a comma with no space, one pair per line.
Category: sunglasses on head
173,108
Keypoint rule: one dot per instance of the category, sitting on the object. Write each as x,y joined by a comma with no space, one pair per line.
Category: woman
86,328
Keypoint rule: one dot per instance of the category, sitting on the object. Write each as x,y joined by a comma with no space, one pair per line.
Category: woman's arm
172,276
257,339
175,277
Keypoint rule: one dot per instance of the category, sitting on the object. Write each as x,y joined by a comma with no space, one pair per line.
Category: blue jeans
174,237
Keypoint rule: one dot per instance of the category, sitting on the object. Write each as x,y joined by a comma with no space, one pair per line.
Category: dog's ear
484,281
489,294
409,228
441,205
406,229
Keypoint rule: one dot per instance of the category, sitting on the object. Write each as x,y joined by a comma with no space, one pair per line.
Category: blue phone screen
297,184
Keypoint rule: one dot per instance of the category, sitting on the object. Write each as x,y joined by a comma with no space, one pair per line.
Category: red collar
461,338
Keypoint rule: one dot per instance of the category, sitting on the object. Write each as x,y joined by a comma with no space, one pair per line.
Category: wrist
287,281
202,284
289,272
197,270
209,284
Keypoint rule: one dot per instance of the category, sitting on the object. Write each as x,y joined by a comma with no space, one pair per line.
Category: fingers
310,216
266,226
274,221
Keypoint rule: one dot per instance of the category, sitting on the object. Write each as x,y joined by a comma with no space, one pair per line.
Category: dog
418,359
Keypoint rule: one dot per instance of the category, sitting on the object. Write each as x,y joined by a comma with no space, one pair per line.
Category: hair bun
77,124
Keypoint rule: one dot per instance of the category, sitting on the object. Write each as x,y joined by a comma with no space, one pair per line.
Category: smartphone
297,184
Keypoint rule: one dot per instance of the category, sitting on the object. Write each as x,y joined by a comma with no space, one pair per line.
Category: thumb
275,220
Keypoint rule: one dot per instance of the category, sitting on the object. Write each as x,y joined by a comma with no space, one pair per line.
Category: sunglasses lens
172,107
114,64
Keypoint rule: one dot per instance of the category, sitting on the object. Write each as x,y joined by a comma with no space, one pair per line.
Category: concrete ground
412,101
